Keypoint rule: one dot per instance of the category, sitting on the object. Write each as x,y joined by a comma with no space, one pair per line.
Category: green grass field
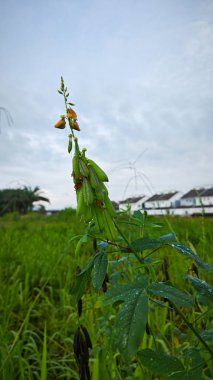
38,319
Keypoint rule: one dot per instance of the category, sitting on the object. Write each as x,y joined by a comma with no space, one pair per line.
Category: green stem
203,314
66,112
128,244
192,328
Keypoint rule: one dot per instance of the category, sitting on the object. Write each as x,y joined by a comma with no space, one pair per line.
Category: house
163,201
136,203
197,197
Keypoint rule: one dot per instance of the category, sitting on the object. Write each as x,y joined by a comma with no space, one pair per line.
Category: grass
37,318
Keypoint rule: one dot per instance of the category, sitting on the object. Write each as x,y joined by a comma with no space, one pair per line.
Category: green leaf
165,238
171,293
99,270
186,375
159,362
142,244
131,323
81,283
44,356
207,335
123,292
203,288
186,251
139,215
132,317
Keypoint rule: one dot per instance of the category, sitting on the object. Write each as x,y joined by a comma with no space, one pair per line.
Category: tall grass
37,319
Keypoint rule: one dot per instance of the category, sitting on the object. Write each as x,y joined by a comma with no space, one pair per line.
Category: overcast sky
140,73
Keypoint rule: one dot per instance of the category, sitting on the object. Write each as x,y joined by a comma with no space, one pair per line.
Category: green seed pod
78,247
76,170
88,215
109,226
77,150
70,144
81,205
109,205
99,218
87,192
83,168
93,178
99,172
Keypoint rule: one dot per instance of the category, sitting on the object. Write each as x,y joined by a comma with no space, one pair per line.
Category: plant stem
128,244
192,328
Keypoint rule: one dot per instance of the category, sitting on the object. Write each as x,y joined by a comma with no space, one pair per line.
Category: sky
140,74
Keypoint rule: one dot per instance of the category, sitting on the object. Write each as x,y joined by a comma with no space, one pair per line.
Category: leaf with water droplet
131,323
159,362
132,316
171,293
204,289
99,270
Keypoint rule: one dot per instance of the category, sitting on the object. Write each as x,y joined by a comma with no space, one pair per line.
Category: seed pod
79,307
81,353
148,331
99,218
88,214
76,170
87,337
99,172
95,183
70,144
87,192
109,226
61,124
81,205
109,205
83,168
104,285
194,269
78,248
95,246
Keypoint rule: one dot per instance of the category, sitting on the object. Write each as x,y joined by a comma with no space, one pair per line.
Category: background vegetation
38,318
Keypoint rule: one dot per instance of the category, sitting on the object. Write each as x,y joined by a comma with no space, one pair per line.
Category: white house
197,197
162,201
136,203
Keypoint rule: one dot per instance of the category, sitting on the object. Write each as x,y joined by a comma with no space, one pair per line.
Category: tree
20,200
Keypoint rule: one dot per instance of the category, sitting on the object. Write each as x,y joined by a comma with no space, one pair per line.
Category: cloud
141,78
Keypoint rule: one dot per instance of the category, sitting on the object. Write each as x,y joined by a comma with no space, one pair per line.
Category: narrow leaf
81,283
44,356
186,251
171,293
165,238
131,323
99,270
202,287
159,362
142,244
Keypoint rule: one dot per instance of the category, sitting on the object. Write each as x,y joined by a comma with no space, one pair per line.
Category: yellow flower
75,126
61,124
71,114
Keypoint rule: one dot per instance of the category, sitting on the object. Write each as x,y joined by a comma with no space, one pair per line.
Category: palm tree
21,200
